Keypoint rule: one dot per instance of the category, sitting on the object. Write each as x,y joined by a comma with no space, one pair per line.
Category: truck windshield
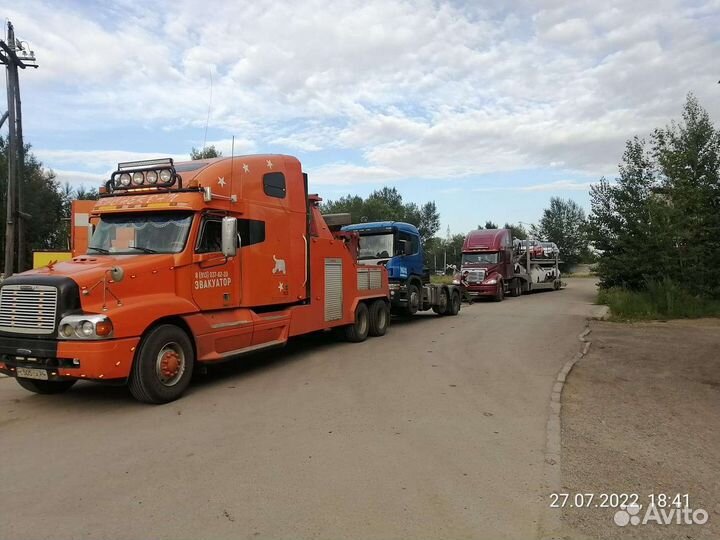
376,246
480,258
157,232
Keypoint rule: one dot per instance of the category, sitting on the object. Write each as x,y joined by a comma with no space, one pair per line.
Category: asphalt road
436,430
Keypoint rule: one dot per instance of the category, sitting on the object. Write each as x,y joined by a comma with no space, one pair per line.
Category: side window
251,231
274,185
414,245
210,236
413,242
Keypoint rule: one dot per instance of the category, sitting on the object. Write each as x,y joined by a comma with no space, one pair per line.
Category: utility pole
15,54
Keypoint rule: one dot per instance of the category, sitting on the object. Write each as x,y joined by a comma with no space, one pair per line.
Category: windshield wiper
145,249
100,250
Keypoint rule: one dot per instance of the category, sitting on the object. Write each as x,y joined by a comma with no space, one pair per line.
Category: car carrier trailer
492,266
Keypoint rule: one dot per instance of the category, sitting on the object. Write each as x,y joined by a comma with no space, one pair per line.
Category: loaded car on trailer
189,263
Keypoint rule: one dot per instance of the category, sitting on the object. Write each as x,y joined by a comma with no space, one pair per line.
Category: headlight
151,177
456,282
491,281
85,327
125,179
138,178
165,176
67,330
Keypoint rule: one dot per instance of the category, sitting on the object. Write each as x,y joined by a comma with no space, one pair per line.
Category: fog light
138,178
165,176
125,179
151,177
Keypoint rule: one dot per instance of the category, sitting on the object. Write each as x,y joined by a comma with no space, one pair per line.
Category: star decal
281,286
246,168
269,164
221,181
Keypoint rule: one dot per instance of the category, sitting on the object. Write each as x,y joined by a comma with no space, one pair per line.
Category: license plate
32,373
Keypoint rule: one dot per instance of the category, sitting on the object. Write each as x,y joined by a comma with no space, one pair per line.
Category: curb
600,313
550,524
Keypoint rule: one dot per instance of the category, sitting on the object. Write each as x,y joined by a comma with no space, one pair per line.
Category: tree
660,219
429,221
386,204
517,231
488,225
564,223
205,153
41,199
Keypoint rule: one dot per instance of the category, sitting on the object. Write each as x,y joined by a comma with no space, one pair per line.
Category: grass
661,300
447,280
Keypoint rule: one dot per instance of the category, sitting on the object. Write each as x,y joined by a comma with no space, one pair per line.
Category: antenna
207,120
232,161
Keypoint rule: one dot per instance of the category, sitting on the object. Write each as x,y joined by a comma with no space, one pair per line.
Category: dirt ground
641,414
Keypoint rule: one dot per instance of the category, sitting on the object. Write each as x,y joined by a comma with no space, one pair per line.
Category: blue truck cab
396,245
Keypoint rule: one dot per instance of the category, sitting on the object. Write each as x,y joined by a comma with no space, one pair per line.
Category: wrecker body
188,263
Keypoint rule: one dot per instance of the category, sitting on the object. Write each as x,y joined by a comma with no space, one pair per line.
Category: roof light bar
146,164
150,173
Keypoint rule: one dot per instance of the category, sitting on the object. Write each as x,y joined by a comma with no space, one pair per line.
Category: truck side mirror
229,236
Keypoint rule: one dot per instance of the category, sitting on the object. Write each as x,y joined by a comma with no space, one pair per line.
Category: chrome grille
476,276
28,309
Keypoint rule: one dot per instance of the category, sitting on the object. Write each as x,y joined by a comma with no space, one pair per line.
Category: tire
556,285
45,387
163,366
455,301
516,289
379,318
500,294
413,299
443,303
358,331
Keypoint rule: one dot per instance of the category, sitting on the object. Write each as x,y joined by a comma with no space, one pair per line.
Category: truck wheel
45,387
379,318
516,289
500,294
413,299
163,366
358,331
556,285
455,301
443,301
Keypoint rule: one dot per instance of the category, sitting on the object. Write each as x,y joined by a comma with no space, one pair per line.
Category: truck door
216,280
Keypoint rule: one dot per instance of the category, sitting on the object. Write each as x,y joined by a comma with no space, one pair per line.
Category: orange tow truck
189,263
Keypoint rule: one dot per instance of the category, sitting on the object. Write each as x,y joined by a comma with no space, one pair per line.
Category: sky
487,108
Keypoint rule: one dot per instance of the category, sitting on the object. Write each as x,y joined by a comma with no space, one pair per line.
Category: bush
664,299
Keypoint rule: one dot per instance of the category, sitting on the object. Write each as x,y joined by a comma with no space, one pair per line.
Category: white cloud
80,178
105,160
419,89
559,185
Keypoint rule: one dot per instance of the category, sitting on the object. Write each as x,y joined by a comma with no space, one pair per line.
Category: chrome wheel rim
362,324
170,364
382,318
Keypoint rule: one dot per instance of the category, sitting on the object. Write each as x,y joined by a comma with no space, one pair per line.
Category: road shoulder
640,414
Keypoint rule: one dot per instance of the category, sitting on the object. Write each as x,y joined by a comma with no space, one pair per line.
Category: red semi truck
493,265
